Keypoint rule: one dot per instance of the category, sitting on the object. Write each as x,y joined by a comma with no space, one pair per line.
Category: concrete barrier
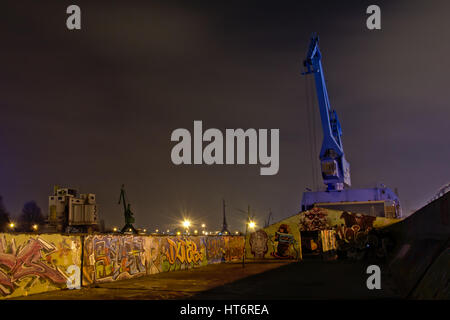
109,258
35,263
419,240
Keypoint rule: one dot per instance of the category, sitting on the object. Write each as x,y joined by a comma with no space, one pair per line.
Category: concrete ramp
421,250
436,282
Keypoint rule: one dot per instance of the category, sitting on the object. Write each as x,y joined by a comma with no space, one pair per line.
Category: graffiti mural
314,219
277,241
283,242
182,252
258,243
152,251
234,248
33,264
215,249
352,234
109,258
39,263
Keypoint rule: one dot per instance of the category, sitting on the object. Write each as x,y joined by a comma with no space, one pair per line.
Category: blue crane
377,201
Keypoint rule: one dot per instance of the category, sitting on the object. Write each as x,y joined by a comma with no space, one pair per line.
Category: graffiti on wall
215,249
38,263
109,258
182,252
283,243
33,264
314,219
258,243
277,241
234,248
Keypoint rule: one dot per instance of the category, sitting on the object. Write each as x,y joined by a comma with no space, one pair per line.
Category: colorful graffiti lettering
183,250
112,258
33,265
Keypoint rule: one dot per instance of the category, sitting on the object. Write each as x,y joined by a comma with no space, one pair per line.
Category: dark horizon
94,109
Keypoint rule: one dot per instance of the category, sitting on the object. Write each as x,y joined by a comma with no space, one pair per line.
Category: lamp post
249,224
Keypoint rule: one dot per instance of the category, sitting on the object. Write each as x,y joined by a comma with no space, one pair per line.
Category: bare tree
4,217
31,215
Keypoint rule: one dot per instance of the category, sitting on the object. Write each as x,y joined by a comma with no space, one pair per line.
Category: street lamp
186,224
114,229
35,227
12,225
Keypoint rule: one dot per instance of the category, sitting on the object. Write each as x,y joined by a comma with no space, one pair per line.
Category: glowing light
237,232
178,233
186,223
251,224
195,231
115,229
12,225
203,225
145,230
157,230
35,226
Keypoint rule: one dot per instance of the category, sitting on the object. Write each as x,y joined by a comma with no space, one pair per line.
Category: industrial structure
128,228
225,230
377,201
70,212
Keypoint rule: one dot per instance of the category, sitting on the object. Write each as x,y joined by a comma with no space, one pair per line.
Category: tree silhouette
4,217
31,215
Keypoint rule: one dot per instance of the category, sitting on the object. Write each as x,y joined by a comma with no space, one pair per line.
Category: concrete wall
419,239
280,240
265,243
112,257
32,264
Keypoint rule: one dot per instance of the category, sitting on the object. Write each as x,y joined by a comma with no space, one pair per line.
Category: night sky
95,108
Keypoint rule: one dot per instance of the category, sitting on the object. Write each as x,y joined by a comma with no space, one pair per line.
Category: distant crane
377,201
129,219
225,224
267,223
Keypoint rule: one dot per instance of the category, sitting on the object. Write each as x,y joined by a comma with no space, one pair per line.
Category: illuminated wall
32,264
278,241
282,240
115,257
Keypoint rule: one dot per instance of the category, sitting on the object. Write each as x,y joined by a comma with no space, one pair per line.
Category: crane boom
335,168
377,201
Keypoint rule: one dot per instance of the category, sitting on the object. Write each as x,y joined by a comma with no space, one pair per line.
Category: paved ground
314,279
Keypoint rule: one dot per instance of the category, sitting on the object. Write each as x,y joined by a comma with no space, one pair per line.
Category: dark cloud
95,108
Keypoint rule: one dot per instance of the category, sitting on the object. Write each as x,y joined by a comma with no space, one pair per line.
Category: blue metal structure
335,168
